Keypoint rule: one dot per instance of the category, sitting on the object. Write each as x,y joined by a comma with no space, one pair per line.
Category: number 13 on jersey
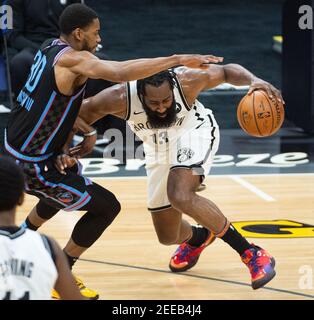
160,138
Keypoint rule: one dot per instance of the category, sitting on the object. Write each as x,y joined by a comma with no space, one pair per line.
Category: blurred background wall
240,30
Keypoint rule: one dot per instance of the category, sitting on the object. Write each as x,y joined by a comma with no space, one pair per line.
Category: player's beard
86,47
157,122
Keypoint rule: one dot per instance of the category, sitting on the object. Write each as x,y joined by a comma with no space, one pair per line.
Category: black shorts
67,192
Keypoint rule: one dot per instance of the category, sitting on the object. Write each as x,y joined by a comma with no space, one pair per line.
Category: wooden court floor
128,262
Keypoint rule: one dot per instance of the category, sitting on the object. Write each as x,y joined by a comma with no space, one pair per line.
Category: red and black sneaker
261,265
187,256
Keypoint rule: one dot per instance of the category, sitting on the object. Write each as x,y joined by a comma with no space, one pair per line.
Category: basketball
258,115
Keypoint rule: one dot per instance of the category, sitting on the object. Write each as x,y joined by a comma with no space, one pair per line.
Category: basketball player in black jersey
25,274
44,114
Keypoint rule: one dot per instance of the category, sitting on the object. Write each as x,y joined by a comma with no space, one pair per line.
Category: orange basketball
258,115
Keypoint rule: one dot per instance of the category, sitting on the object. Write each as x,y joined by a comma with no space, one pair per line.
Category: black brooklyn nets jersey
42,118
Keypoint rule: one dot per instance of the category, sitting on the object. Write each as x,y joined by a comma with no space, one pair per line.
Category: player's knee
116,207
115,204
45,211
106,208
180,200
112,209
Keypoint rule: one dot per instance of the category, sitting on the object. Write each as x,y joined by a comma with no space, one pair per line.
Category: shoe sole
94,298
270,275
189,266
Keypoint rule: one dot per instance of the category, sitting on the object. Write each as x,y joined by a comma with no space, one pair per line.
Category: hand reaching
64,161
84,147
198,61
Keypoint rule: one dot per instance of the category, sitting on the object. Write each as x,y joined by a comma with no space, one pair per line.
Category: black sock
199,235
27,224
71,260
236,240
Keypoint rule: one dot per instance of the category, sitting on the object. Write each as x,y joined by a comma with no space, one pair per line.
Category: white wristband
89,134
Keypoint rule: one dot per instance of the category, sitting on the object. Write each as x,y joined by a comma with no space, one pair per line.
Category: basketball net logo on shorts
65,197
184,154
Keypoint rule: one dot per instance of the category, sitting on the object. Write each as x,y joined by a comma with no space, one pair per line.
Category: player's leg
188,253
182,184
72,192
102,209
168,222
47,206
41,213
170,227
181,193
192,160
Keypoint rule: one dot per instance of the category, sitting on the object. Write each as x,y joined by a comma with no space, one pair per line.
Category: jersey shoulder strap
177,85
49,247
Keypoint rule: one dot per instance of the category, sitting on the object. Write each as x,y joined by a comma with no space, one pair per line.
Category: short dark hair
74,16
11,184
156,80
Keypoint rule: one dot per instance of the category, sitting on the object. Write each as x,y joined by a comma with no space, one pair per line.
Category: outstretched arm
112,100
195,81
86,64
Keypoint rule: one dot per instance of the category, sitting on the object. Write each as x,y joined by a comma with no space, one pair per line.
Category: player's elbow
229,70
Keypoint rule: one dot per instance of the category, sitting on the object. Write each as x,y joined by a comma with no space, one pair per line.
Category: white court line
121,177
252,188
